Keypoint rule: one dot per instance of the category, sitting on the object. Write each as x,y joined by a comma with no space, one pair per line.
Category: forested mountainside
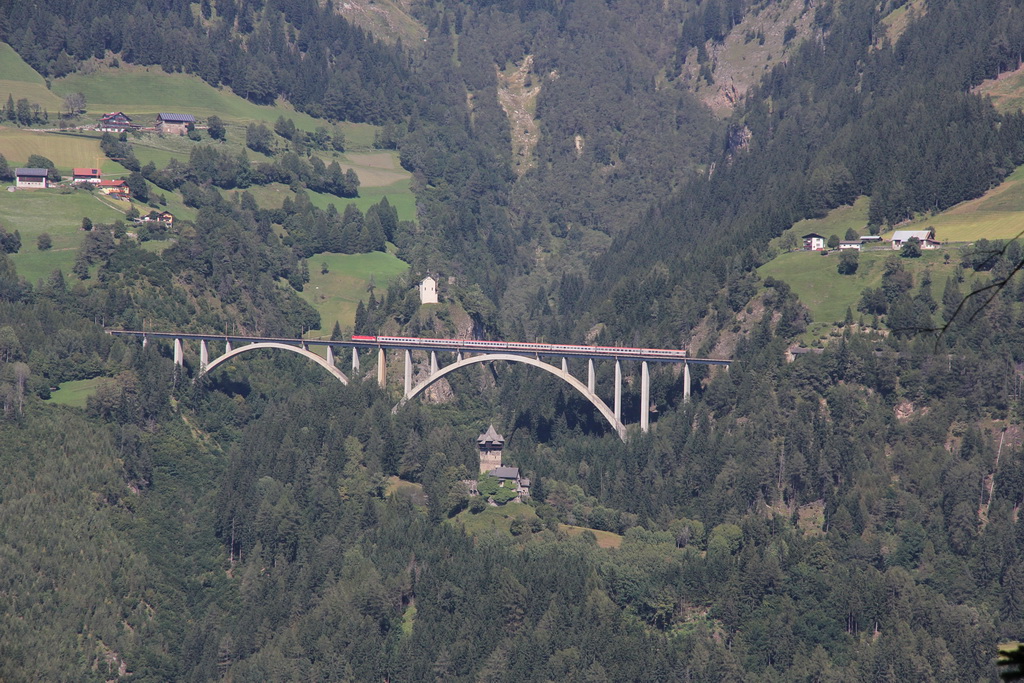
850,514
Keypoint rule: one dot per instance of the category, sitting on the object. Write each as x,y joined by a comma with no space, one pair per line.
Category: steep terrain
847,513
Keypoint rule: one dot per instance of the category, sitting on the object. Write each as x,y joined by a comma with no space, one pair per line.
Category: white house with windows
925,237
813,241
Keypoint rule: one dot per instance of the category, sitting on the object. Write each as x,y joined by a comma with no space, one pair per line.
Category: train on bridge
480,345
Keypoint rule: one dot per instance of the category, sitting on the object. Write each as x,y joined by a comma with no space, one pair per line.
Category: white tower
428,291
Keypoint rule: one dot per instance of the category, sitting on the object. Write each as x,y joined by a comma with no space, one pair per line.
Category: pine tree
951,298
360,319
336,332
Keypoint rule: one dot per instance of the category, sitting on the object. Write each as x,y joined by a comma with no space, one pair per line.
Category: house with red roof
114,188
86,175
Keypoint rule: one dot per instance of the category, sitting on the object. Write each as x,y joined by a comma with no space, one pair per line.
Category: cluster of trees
209,164
23,112
312,230
10,242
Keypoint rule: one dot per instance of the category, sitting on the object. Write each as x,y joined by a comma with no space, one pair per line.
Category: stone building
490,444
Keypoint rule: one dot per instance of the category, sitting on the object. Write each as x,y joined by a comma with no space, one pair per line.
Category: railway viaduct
465,353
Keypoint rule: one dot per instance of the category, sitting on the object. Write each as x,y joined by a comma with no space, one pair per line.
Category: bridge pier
227,346
330,354
433,362
204,356
145,341
382,368
686,382
591,380
618,391
355,359
179,353
408,372
645,397
565,365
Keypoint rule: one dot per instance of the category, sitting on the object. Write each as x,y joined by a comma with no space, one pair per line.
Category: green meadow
33,212
337,293
65,150
837,222
19,80
493,519
75,393
827,294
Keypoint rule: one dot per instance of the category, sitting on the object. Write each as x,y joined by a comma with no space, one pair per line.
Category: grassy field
143,92
828,294
336,294
1007,91
19,80
147,91
32,212
495,518
837,222
75,393
605,539
998,214
66,151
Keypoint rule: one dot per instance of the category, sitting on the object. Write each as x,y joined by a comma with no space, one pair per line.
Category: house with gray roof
30,177
174,124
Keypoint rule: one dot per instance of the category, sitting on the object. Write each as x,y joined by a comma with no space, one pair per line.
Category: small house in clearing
174,124
30,177
114,188
115,122
851,245
86,175
925,237
813,241
165,217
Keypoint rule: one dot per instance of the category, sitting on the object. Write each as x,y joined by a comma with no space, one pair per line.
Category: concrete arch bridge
466,353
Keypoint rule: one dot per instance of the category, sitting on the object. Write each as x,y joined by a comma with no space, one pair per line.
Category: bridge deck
477,346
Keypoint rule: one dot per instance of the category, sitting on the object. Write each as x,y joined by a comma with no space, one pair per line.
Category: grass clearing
1006,91
495,518
146,91
605,539
66,151
76,392
997,214
19,80
827,294
33,212
837,222
337,293
406,489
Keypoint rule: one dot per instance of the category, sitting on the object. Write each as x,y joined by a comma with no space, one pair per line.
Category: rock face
517,93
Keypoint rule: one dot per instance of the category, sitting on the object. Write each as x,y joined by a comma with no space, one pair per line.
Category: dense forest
845,515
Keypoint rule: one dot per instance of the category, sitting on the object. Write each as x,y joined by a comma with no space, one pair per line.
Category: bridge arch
579,386
329,367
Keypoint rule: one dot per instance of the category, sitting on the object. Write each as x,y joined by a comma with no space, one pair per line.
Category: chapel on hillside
428,290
